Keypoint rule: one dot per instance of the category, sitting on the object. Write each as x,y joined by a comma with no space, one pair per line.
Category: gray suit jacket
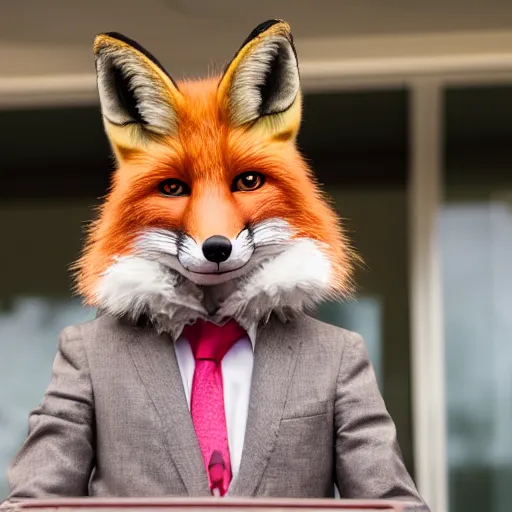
115,422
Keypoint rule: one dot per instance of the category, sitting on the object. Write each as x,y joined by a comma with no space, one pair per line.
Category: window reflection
363,316
477,244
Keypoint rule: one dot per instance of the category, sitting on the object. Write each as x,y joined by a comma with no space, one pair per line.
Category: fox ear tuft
262,81
138,98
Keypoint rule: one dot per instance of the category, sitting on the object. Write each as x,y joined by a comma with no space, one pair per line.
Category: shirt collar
251,330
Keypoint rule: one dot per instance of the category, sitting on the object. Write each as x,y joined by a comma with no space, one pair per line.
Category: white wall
47,45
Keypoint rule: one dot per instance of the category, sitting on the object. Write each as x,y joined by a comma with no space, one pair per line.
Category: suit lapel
276,351
157,366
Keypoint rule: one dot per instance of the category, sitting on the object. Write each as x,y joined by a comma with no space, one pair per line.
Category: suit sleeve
368,459
56,459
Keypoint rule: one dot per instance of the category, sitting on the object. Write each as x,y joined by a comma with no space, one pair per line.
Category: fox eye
248,181
174,188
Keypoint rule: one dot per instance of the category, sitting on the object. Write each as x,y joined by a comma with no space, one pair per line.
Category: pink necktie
209,344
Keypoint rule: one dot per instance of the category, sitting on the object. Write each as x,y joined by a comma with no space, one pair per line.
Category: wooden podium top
206,504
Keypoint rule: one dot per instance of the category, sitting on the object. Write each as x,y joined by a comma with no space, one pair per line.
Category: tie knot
210,341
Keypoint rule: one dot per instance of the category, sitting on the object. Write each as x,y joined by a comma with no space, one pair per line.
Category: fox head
212,211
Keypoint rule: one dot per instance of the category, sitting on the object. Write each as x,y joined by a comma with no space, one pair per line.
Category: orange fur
208,155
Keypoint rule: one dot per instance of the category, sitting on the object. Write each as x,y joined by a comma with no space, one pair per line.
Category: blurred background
408,124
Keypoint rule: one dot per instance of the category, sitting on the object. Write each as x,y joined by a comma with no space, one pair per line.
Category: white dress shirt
236,375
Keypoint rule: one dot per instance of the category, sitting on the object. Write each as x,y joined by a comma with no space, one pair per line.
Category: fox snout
217,248
218,258
215,259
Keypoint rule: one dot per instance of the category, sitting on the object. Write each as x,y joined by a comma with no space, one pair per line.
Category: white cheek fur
287,275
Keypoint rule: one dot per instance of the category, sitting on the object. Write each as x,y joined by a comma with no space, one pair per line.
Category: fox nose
217,248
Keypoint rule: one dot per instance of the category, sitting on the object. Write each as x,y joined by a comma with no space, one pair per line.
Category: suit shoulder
88,333
320,338
323,347
320,332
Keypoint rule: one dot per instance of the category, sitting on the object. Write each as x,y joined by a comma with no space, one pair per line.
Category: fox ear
138,98
261,85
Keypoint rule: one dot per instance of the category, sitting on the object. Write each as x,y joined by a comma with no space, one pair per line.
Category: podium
209,505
